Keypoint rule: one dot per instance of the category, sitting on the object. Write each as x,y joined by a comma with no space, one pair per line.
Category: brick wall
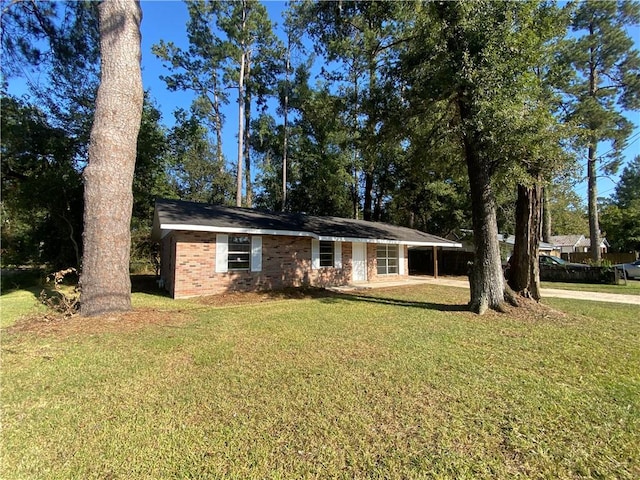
189,262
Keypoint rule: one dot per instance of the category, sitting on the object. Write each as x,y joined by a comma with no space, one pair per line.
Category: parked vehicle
547,261
632,270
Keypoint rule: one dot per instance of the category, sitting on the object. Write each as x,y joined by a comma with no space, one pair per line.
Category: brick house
208,249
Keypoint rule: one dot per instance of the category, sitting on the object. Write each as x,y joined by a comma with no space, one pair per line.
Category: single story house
576,243
209,249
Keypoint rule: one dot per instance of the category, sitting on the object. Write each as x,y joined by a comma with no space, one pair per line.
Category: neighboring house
543,247
576,243
207,249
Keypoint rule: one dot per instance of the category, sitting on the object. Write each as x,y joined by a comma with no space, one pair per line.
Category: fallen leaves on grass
61,326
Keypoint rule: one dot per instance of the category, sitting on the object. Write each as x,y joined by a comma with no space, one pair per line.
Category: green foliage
360,38
320,178
41,189
620,216
604,76
150,180
567,211
196,172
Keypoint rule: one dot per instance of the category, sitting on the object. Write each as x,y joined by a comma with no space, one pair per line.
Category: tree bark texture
594,224
285,121
247,137
486,277
240,132
108,177
546,216
524,271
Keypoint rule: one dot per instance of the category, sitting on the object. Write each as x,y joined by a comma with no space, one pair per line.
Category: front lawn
395,383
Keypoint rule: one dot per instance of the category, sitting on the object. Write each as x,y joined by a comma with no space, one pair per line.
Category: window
387,256
239,252
326,254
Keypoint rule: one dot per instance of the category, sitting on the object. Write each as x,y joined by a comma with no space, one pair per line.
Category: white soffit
168,227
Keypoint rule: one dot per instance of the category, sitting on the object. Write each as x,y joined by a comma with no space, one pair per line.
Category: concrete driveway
457,282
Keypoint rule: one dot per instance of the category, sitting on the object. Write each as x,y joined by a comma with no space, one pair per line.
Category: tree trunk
218,123
108,177
367,209
285,113
248,200
242,63
546,216
240,132
486,279
524,274
594,224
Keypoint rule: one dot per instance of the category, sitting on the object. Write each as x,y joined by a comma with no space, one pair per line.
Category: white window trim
256,253
222,254
315,254
337,254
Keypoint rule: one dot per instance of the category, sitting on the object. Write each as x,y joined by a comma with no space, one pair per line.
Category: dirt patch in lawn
230,299
52,324
58,325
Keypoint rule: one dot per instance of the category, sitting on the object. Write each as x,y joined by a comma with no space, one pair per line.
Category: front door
359,259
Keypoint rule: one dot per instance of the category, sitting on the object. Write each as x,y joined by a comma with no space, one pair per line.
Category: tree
41,190
621,213
50,45
538,141
250,50
479,70
199,68
605,81
432,189
108,199
567,210
196,172
362,38
151,179
319,173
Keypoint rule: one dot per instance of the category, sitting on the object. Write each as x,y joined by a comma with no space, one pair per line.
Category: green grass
631,288
397,383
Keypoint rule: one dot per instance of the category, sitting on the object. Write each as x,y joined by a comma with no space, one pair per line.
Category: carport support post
435,262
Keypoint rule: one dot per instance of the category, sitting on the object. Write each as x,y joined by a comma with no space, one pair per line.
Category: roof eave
164,229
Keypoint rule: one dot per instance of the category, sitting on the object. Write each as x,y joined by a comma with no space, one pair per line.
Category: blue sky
167,19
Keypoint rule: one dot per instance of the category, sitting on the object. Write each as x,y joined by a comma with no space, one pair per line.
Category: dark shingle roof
181,215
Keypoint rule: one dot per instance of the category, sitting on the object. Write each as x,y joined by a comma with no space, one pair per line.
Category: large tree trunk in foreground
108,197
524,272
486,279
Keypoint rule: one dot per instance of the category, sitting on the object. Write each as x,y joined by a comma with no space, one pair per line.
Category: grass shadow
331,296
440,307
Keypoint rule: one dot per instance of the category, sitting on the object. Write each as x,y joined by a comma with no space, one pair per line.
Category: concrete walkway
454,282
